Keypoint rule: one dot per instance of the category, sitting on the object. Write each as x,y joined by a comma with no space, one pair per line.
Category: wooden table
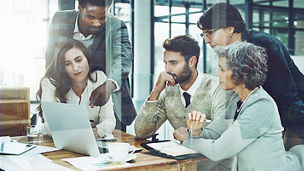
144,161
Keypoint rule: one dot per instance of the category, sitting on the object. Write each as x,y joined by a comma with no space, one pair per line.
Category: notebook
170,149
70,127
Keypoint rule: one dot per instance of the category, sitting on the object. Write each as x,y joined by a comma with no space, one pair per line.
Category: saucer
128,158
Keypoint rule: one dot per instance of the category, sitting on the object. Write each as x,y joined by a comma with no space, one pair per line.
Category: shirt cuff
117,85
151,104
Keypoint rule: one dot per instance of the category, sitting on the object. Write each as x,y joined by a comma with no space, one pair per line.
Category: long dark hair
57,75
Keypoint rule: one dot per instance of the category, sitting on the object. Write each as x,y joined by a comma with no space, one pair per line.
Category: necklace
239,109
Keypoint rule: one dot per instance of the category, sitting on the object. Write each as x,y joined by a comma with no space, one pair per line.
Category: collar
245,33
192,90
73,98
76,29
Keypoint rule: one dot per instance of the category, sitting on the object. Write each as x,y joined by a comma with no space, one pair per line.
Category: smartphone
106,139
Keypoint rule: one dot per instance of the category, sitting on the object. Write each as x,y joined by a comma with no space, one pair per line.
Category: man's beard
184,76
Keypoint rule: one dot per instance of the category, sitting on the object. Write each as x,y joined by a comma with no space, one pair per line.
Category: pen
206,120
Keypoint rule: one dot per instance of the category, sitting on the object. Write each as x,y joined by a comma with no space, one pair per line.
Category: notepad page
171,148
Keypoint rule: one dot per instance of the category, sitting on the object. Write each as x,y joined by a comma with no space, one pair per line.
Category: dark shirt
284,82
237,111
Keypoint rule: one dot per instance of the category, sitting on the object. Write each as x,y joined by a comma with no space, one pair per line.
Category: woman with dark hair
69,79
250,128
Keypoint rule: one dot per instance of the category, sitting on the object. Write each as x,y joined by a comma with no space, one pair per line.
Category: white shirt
192,89
102,116
87,41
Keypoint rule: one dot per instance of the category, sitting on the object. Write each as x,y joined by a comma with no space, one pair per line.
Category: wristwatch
189,132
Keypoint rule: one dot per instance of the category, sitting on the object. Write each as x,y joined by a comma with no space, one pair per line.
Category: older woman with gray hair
250,129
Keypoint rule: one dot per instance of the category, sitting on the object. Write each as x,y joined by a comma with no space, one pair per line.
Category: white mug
120,151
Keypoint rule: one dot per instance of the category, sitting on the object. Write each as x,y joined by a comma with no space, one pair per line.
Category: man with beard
179,90
185,90
106,38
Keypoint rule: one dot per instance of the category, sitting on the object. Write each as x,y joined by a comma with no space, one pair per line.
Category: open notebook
170,149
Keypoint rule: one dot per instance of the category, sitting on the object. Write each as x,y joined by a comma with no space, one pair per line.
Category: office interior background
24,27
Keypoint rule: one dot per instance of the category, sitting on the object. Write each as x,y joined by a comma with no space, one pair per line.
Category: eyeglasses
208,33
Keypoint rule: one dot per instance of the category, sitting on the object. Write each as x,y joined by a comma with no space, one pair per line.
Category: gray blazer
255,137
111,52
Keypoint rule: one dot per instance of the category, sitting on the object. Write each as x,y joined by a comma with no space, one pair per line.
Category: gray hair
247,62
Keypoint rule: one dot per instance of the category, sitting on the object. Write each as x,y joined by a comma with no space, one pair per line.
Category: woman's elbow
216,155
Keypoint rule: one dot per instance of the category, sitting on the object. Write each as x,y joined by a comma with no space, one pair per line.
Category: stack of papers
25,157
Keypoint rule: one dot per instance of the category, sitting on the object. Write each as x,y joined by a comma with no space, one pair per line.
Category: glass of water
34,134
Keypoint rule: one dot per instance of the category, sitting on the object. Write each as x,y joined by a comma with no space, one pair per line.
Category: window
23,32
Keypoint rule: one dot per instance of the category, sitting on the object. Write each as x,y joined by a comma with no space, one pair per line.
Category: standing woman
69,79
250,128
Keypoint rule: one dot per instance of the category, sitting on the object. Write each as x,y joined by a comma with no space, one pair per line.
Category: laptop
70,128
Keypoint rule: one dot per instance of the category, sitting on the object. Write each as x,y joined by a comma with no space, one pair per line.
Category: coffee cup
120,151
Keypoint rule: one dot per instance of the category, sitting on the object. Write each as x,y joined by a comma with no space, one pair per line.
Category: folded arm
152,115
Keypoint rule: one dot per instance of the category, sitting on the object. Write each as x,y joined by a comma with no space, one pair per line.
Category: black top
284,82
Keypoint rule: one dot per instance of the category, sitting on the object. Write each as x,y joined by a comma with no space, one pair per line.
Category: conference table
144,160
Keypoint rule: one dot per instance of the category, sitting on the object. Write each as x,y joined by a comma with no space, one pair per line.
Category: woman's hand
95,131
195,122
180,134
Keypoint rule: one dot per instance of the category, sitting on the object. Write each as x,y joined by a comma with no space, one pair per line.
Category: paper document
171,148
39,149
6,139
94,163
14,148
30,163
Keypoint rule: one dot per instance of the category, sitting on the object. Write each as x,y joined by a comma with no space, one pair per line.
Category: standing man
107,40
222,24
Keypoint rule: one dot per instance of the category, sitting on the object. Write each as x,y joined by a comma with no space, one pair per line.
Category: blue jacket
285,83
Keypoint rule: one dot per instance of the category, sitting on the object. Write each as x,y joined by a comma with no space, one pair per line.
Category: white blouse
102,116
